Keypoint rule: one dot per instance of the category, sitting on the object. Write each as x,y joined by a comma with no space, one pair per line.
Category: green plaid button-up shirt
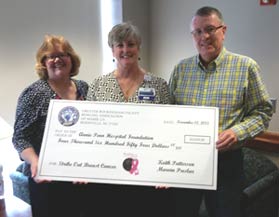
233,84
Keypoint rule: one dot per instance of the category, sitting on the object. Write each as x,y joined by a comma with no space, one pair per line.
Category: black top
31,113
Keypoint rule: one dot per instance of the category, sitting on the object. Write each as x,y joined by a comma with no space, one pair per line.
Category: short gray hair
122,32
207,11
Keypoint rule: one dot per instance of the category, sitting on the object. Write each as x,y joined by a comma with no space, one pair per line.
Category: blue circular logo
68,116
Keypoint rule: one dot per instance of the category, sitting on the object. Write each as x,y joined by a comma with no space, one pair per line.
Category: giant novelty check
135,144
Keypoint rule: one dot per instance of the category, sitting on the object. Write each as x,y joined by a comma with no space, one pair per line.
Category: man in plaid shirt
231,82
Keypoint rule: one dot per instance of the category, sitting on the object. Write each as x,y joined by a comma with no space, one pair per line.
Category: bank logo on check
68,116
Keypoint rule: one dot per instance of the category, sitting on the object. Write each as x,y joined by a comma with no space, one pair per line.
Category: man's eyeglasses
210,30
54,56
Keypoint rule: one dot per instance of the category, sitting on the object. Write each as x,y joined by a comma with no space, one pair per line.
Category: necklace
128,85
68,91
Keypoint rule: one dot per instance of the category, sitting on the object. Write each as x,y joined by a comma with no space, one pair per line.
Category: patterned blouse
106,88
32,110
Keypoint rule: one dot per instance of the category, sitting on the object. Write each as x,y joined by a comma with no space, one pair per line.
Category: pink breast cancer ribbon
134,168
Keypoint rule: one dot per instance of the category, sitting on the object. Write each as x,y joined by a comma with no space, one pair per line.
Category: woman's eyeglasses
52,57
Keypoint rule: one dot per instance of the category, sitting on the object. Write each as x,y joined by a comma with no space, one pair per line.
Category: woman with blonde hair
56,64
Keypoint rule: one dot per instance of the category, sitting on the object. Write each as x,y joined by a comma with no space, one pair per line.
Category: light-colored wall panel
138,12
23,26
252,30
164,24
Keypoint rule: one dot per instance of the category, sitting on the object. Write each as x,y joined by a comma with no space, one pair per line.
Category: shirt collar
214,64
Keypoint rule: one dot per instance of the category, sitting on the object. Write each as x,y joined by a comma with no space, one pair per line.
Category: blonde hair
48,45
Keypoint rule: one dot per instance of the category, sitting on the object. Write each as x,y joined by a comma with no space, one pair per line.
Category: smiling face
58,64
208,43
126,53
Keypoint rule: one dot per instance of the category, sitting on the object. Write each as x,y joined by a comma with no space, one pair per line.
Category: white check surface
138,144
